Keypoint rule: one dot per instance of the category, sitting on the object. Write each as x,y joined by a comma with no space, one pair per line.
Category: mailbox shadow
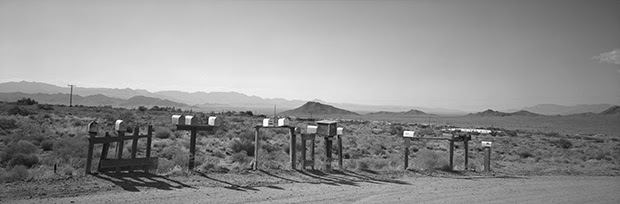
231,186
467,175
131,181
343,177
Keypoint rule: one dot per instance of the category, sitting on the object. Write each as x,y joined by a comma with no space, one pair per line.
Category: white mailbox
339,131
408,133
215,121
178,119
191,120
93,127
120,125
312,129
486,144
283,122
267,122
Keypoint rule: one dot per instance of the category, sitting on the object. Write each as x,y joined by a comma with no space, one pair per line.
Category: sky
464,54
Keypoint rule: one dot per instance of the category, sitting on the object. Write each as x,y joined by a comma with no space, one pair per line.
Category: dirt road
562,189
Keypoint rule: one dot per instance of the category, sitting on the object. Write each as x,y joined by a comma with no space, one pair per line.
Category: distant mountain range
94,100
490,112
412,112
313,108
552,109
47,93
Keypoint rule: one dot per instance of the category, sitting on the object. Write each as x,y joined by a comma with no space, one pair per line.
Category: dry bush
17,173
47,145
239,145
20,153
71,151
430,160
163,133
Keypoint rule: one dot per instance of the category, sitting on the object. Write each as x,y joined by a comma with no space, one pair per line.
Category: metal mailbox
408,133
178,119
486,143
311,129
267,122
283,122
93,127
339,131
327,127
215,121
119,125
191,120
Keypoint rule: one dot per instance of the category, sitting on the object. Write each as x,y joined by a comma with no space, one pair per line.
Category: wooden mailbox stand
119,164
190,123
292,148
304,159
408,136
328,129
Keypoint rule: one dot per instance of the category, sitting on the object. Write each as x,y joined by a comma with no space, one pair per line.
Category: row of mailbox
411,134
193,121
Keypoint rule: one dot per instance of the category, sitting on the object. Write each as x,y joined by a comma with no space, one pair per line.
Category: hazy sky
468,55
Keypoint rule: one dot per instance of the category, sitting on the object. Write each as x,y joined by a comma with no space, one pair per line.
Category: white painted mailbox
178,119
283,122
339,131
267,122
486,144
93,127
408,133
191,120
215,121
120,125
311,129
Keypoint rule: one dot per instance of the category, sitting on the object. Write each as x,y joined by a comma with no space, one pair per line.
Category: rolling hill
93,100
316,108
553,109
412,112
492,113
614,110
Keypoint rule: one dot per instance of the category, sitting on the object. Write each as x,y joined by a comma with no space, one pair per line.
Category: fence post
466,144
340,152
192,149
91,146
256,145
293,148
452,154
487,158
148,141
406,152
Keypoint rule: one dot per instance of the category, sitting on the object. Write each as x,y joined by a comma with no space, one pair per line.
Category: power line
71,95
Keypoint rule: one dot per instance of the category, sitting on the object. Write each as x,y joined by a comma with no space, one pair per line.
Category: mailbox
327,127
267,122
297,130
339,131
178,119
408,133
283,122
93,127
312,129
486,144
215,121
190,120
120,125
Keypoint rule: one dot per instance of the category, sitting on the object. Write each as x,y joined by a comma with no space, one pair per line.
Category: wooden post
293,148
105,149
303,152
406,152
91,146
256,141
134,145
192,148
465,144
452,154
148,141
487,159
312,152
119,148
340,152
328,153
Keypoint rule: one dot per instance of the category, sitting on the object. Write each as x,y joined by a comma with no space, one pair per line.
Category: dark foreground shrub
21,147
562,143
17,173
70,150
27,160
162,133
242,145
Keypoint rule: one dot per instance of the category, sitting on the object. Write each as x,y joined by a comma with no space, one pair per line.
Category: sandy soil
345,187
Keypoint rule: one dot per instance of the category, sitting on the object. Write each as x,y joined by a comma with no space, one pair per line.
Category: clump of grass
16,173
162,133
242,145
562,143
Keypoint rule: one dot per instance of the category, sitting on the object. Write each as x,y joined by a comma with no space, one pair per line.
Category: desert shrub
16,110
45,107
511,133
218,153
70,150
362,165
142,108
524,154
239,157
8,124
17,173
21,147
430,160
47,145
396,130
26,101
163,133
27,160
562,143
242,145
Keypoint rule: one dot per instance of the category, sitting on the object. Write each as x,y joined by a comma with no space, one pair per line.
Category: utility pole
71,95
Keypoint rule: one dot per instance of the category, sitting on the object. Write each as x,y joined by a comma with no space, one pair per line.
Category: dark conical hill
316,108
